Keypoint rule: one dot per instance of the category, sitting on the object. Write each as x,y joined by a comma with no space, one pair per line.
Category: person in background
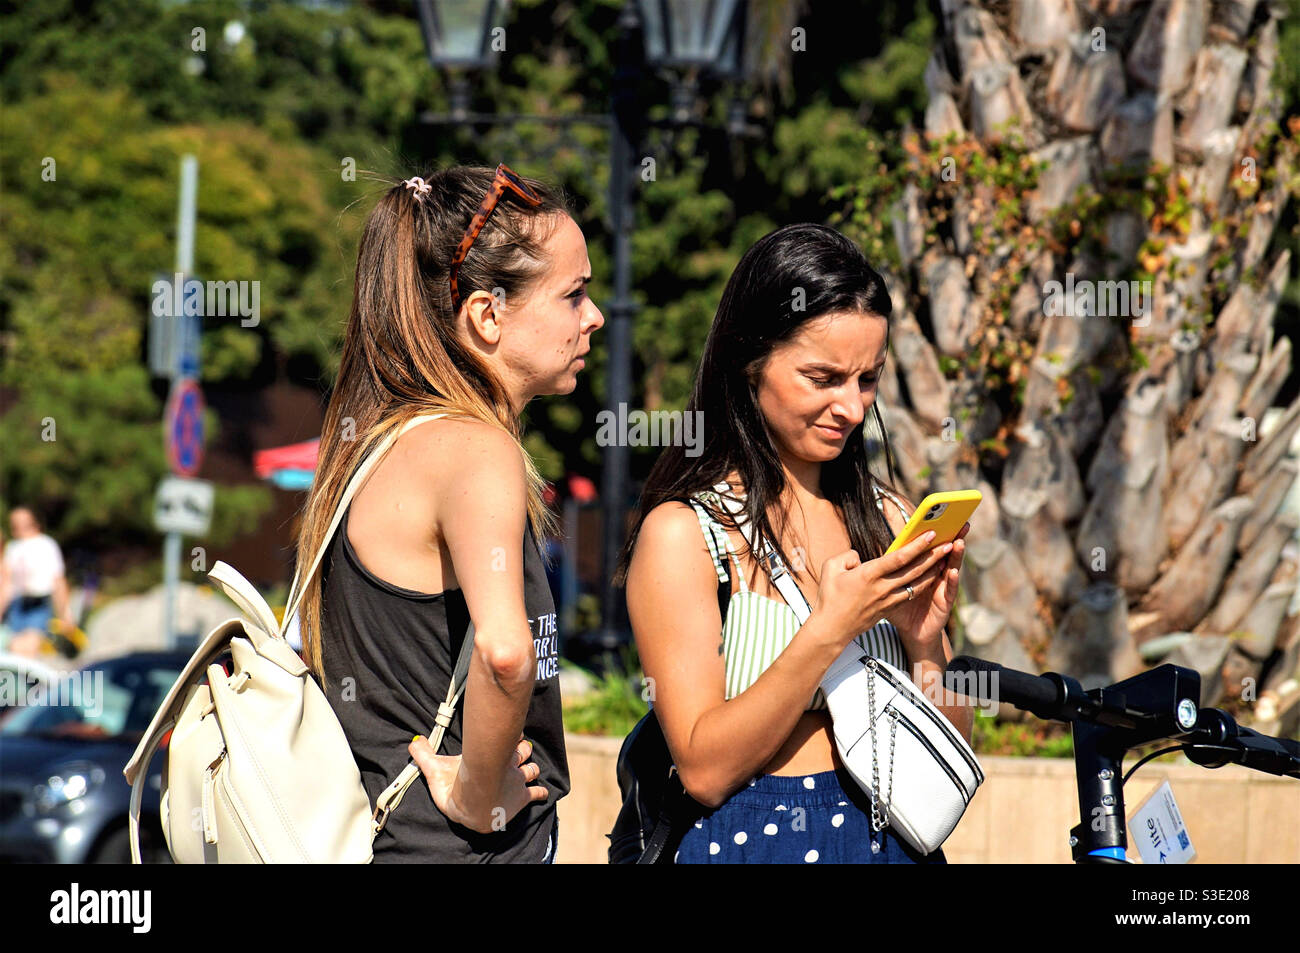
34,589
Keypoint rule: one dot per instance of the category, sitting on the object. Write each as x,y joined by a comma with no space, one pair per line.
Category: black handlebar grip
997,683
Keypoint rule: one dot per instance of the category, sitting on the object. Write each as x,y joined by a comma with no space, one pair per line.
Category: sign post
183,506
183,426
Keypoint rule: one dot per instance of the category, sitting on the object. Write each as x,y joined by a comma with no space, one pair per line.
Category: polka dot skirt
780,819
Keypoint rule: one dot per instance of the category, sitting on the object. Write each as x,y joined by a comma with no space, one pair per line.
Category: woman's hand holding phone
854,595
920,621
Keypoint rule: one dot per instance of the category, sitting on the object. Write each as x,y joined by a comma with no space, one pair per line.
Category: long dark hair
788,278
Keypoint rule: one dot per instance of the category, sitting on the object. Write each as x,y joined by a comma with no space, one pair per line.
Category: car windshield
114,700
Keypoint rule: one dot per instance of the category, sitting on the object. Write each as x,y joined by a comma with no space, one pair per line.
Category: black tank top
388,655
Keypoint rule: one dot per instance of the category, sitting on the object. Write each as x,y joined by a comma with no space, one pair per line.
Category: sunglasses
503,180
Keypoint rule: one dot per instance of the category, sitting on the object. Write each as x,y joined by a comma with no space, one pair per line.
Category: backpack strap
392,795
358,478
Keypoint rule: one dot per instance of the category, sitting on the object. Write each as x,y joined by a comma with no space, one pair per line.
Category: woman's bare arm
477,475
672,602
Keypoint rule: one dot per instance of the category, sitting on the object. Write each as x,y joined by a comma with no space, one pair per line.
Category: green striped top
758,628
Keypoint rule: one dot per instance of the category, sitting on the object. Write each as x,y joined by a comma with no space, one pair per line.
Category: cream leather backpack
258,769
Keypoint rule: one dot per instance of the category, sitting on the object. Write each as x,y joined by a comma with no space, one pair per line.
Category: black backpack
656,810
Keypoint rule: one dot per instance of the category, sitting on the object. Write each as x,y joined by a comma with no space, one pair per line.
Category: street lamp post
684,36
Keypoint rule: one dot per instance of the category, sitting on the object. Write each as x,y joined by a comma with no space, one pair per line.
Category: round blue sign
185,428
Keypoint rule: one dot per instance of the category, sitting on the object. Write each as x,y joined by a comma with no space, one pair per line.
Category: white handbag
931,772
258,768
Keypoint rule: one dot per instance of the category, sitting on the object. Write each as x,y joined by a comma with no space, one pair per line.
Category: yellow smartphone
945,513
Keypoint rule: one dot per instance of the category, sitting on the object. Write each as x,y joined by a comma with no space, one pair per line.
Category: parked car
63,798
19,677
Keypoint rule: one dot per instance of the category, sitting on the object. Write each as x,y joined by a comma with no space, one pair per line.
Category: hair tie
418,185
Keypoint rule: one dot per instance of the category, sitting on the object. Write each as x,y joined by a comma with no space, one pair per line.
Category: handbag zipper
955,740
920,736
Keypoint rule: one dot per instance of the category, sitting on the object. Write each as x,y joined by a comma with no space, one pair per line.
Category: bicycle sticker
1157,827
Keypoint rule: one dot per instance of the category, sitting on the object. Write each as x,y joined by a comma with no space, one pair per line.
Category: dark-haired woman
787,378
470,300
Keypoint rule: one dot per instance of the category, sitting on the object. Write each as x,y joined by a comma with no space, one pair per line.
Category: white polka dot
699,825
810,857
809,783
714,848
676,855
741,837
837,820
769,830
837,804
782,807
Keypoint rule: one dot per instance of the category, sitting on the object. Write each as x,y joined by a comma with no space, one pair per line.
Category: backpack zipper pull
208,810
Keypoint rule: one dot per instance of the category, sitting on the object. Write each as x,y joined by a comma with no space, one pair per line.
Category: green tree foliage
116,91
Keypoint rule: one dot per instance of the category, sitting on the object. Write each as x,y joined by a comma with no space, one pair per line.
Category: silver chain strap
878,820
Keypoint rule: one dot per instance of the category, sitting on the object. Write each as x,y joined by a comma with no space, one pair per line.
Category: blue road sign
185,427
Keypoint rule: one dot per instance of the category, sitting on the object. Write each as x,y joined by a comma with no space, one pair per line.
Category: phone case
956,508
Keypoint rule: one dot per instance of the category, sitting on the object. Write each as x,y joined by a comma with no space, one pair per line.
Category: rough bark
1189,588
1124,507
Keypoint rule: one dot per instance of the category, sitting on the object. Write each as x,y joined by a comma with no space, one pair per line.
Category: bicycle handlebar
1156,705
1215,739
1036,694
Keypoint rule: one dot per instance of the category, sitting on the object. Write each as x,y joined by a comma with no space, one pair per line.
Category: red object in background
295,456
581,489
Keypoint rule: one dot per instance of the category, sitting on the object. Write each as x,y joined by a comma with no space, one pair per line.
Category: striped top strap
711,540
719,543
880,494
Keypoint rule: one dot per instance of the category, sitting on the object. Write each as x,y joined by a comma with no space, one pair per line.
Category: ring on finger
909,593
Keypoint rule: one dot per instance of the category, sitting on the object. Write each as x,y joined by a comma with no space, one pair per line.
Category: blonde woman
470,300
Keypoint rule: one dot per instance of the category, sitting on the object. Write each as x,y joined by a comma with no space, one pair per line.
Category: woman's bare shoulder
459,448
671,525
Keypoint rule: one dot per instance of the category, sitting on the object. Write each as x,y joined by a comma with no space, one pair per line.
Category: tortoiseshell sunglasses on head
504,179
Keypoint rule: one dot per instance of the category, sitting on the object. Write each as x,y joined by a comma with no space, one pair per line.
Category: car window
113,701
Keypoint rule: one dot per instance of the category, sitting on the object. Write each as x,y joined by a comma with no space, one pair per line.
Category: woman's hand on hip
443,774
